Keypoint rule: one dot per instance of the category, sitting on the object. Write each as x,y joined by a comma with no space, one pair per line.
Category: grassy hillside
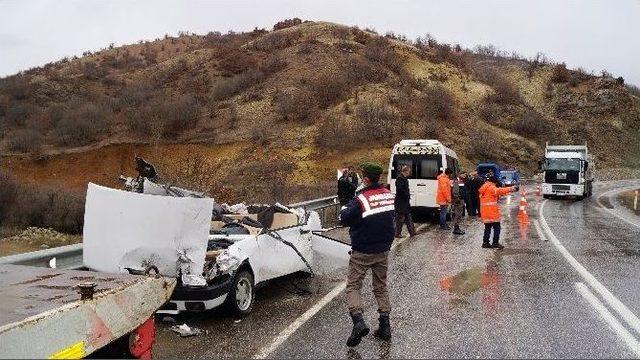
269,115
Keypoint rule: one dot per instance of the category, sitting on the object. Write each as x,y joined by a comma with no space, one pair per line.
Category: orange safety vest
489,195
443,196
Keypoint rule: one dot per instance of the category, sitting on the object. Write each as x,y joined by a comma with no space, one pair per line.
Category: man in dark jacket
346,189
402,202
370,218
474,197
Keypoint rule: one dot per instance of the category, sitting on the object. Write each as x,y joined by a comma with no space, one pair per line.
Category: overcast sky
595,35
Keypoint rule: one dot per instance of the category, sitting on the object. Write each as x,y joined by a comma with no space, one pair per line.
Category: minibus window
429,168
398,161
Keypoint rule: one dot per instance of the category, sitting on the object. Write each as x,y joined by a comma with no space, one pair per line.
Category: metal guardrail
67,257
70,256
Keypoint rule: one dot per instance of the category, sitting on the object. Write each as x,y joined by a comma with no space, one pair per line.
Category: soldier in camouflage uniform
457,198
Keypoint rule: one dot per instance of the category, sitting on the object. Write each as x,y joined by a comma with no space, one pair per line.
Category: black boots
360,329
497,246
457,230
486,245
384,329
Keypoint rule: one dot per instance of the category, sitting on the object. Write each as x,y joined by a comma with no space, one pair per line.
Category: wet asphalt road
453,299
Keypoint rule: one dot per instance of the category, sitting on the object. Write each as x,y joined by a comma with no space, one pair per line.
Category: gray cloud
591,34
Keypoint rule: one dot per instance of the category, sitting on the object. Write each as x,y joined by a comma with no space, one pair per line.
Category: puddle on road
631,201
606,202
463,283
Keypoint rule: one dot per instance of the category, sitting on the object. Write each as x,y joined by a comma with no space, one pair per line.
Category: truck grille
555,188
561,177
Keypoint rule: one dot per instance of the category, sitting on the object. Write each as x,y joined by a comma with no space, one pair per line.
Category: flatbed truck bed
42,314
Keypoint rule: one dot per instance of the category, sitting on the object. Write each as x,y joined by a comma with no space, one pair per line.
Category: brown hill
270,115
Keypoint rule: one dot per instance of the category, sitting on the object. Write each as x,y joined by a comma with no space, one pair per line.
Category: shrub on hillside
482,146
531,124
25,205
17,86
92,71
276,40
490,113
334,133
294,104
286,23
236,61
329,88
136,94
181,113
164,117
25,140
361,71
560,74
83,125
380,50
17,113
376,121
438,104
505,92
229,87
273,64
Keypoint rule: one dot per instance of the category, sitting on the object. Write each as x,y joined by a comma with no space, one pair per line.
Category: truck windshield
506,175
563,164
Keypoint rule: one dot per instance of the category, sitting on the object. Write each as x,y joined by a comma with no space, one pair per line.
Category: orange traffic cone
522,210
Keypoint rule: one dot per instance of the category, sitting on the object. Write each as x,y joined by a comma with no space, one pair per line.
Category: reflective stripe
364,202
378,210
489,203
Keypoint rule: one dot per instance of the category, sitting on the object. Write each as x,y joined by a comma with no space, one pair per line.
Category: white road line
536,224
609,318
626,314
302,319
613,212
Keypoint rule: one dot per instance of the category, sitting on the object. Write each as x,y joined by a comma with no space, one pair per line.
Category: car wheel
242,294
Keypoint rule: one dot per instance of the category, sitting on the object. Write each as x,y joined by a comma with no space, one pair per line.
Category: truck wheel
242,294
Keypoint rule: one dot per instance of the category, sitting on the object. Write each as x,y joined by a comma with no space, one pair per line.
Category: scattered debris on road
185,330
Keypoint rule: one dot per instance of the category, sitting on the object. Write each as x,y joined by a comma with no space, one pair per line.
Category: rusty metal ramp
42,315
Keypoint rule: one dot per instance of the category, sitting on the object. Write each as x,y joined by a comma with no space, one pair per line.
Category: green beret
371,168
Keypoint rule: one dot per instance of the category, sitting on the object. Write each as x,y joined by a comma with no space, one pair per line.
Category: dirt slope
271,115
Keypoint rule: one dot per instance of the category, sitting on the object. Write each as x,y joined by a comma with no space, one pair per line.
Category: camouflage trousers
457,211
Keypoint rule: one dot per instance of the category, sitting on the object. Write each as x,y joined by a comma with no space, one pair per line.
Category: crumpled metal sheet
131,230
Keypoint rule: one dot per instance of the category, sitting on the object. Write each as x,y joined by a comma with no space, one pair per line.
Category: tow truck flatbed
42,315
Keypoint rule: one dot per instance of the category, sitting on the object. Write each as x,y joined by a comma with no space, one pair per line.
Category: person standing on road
443,197
346,189
402,202
474,184
490,211
457,194
370,218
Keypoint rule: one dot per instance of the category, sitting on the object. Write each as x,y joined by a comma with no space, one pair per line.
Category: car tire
242,294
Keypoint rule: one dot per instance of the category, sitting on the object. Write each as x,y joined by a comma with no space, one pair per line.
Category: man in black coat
346,188
402,202
474,197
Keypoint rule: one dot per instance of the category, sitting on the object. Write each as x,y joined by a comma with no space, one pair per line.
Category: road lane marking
613,212
536,224
626,314
302,319
609,318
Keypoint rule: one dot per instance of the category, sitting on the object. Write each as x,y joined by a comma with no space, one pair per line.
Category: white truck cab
567,171
426,158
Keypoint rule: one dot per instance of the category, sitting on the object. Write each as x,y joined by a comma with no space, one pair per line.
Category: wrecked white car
218,257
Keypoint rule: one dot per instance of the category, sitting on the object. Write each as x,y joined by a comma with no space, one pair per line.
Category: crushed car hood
131,230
